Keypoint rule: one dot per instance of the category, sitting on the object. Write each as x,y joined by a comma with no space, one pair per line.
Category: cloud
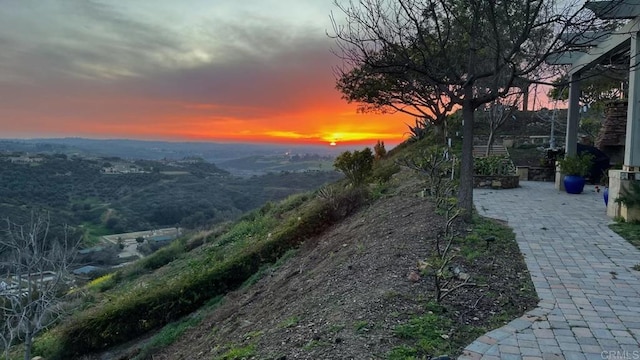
84,67
291,76
254,66
85,39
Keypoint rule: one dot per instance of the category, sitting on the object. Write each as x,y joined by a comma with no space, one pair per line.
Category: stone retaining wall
535,173
542,174
496,182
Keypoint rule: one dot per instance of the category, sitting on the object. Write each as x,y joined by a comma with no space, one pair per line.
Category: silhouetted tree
379,150
434,55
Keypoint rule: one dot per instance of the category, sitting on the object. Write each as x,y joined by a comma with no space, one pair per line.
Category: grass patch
403,352
238,353
630,231
253,335
428,332
93,233
167,336
289,322
315,344
362,326
251,226
336,328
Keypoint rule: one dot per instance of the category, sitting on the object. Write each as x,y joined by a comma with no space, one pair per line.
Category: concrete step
481,150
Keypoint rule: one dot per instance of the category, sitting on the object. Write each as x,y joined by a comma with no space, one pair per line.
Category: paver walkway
589,295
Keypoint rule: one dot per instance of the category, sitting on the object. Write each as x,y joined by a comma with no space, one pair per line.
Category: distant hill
261,164
115,195
156,150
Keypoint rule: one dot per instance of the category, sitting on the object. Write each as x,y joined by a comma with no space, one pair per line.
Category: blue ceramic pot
605,196
574,184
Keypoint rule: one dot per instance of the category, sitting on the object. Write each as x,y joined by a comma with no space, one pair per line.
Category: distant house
158,239
86,270
122,169
24,159
90,250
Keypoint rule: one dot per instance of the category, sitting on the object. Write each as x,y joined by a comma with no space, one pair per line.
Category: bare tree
496,114
469,52
37,268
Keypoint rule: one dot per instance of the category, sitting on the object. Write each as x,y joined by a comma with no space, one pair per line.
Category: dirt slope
343,293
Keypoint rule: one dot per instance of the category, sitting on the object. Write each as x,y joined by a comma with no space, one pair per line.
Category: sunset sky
250,70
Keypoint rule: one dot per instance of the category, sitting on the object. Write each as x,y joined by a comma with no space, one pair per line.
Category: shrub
164,256
384,170
433,162
105,282
578,165
630,197
146,308
356,166
47,345
420,130
494,165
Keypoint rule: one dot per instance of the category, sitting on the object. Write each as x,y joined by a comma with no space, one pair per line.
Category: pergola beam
564,57
617,41
615,9
586,38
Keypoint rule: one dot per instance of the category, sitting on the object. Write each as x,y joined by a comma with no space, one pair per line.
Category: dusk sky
251,70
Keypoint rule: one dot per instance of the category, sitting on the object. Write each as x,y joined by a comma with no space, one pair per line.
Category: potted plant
575,167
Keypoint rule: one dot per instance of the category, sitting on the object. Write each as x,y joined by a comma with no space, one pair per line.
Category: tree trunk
440,130
28,342
465,190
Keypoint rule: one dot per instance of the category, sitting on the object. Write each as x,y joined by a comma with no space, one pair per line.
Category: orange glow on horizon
334,124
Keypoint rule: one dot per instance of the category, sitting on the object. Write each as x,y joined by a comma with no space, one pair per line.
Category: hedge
145,309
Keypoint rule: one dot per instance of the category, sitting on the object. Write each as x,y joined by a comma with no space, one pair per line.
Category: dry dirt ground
343,293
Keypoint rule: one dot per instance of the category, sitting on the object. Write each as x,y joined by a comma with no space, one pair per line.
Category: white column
632,142
573,117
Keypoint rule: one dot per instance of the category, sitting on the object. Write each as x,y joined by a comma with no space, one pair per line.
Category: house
158,239
86,270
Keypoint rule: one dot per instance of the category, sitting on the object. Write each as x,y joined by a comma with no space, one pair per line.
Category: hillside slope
353,293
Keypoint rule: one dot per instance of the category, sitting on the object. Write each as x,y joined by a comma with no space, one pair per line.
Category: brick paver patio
589,294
